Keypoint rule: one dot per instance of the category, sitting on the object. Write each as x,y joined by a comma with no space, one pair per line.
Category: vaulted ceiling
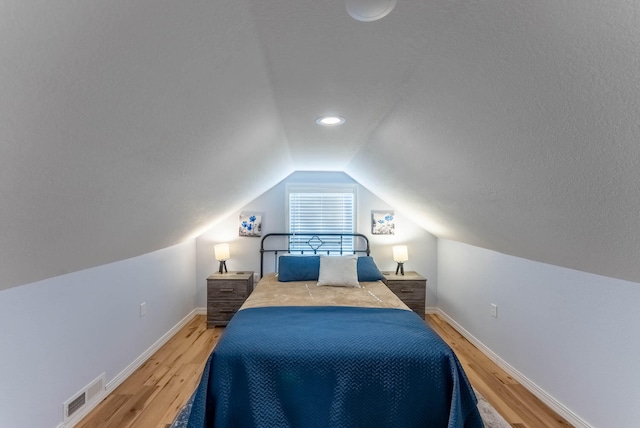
130,126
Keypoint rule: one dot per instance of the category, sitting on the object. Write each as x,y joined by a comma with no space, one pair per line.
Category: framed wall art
383,223
250,225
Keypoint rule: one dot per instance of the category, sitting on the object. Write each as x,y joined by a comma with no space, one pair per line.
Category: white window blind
321,211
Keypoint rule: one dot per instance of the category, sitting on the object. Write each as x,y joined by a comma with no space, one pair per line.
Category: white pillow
340,271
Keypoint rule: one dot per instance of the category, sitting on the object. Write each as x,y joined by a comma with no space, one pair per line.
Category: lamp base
223,265
400,268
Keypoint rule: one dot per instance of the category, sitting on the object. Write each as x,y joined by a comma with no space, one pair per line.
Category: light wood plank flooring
515,403
154,394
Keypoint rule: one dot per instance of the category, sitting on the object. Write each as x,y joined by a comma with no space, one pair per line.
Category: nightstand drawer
227,289
416,306
221,311
408,290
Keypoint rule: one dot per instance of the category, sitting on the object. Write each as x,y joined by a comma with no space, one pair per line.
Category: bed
346,353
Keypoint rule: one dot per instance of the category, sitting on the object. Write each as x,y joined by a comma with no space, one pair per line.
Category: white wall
573,334
245,251
59,334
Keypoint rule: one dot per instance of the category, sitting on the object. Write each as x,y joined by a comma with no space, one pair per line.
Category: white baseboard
123,375
128,371
545,397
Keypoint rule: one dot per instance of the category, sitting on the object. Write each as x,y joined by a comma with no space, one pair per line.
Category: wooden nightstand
226,292
411,288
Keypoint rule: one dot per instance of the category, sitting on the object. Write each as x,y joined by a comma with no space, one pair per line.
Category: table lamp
222,254
400,255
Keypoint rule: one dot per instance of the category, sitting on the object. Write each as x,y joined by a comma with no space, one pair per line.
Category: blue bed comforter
332,367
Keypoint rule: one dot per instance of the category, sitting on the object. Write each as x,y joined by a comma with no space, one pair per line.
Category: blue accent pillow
367,270
298,268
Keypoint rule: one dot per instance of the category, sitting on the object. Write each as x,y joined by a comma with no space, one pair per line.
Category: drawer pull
227,311
226,290
406,290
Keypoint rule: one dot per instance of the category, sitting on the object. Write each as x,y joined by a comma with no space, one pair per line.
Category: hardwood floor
515,403
154,394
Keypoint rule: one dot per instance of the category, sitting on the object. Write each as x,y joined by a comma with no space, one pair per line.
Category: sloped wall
571,333
59,334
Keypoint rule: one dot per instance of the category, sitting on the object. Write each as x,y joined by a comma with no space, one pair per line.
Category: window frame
322,188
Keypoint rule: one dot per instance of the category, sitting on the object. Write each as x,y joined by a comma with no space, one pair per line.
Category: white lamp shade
400,253
221,252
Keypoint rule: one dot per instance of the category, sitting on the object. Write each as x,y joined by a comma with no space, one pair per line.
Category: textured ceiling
126,127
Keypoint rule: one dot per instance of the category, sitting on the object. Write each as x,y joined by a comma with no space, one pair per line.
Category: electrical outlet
494,310
256,277
143,309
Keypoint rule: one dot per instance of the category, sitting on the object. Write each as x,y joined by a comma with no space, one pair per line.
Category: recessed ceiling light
330,120
369,10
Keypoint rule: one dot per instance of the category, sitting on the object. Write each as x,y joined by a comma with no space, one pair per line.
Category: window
321,209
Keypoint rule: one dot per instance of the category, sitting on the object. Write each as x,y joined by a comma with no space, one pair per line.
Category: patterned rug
183,417
490,416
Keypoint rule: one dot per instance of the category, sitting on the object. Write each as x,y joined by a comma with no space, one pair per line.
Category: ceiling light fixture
369,10
330,120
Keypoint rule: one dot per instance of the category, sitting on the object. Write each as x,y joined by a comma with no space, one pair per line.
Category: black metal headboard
312,243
